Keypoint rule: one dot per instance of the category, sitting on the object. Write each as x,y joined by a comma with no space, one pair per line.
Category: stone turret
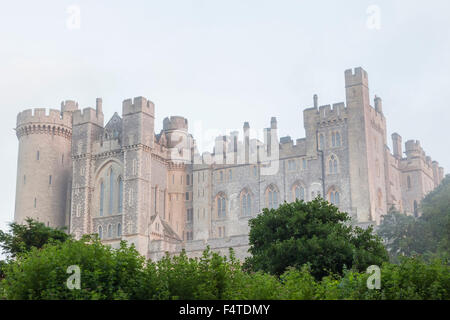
44,164
397,145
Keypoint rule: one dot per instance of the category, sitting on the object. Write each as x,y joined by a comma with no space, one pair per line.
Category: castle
124,182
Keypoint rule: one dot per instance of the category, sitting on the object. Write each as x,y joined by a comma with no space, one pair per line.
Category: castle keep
124,182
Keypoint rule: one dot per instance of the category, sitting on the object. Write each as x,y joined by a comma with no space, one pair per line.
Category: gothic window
333,139
111,190
221,206
100,232
190,215
321,142
291,165
109,231
338,139
299,193
130,197
246,203
120,203
135,167
221,176
334,196
272,197
102,196
333,165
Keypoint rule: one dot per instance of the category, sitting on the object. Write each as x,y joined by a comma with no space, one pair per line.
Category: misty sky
225,62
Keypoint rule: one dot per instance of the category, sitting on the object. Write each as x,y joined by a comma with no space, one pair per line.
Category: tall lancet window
102,196
120,204
111,191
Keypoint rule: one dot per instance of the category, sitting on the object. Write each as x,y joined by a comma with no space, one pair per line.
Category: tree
22,237
105,273
314,233
427,235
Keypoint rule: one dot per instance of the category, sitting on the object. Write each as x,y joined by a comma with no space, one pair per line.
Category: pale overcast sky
225,62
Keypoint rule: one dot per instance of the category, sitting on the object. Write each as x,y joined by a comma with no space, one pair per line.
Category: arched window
100,232
246,203
334,196
338,139
111,190
272,197
321,142
120,203
299,193
102,196
221,206
333,164
119,230
333,139
109,231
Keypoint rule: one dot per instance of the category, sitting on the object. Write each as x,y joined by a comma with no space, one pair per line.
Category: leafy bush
313,232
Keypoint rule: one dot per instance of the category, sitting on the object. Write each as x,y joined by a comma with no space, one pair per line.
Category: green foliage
316,233
22,237
122,273
105,273
428,235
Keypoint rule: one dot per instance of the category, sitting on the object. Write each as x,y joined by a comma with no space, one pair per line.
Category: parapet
139,104
327,111
175,123
413,145
358,76
69,106
285,140
88,115
40,116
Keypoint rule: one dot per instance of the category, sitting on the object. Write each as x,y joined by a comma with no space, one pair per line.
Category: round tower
44,165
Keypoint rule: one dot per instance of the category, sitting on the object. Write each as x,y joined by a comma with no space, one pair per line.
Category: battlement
175,123
328,111
43,116
413,145
69,106
358,76
88,115
138,104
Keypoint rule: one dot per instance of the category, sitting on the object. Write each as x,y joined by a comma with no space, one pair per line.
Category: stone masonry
124,182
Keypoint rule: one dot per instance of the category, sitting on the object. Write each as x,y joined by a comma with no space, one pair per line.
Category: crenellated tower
44,165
